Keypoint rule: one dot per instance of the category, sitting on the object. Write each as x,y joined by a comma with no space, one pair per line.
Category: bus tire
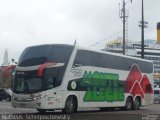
70,105
129,104
137,103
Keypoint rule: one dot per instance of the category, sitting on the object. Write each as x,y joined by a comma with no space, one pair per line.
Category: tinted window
37,55
52,81
83,58
98,60
91,58
54,76
148,88
34,55
27,84
60,54
47,53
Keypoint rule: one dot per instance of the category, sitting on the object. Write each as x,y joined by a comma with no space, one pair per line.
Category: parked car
5,94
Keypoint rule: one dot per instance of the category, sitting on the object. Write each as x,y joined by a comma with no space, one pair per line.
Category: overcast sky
30,22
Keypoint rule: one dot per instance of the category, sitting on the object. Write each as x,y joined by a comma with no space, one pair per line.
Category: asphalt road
151,112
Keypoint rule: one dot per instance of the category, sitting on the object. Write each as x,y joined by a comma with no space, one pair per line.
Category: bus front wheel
70,105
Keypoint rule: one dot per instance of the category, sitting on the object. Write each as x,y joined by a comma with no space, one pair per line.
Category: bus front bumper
31,104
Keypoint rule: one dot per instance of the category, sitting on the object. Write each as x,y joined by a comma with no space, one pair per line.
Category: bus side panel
102,86
97,89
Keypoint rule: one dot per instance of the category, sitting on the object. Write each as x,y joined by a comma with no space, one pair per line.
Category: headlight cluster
38,97
32,98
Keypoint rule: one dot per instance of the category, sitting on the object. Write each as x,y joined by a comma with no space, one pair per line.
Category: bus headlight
38,97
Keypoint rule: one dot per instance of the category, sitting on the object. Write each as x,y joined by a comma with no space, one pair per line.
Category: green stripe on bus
102,87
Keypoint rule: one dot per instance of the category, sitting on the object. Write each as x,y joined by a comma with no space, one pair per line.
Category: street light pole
143,24
124,20
142,44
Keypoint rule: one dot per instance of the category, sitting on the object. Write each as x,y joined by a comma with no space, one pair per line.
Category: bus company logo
138,84
73,85
102,87
76,71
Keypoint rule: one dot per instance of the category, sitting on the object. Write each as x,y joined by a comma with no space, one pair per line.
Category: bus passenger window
148,88
50,82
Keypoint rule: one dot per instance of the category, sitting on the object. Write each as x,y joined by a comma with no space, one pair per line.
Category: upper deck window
34,55
37,55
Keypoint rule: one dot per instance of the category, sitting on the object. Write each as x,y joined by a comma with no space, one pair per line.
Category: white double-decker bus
66,77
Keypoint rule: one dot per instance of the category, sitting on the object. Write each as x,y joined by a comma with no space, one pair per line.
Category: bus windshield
28,84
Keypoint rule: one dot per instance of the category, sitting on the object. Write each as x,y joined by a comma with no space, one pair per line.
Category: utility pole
142,45
143,25
124,22
123,16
